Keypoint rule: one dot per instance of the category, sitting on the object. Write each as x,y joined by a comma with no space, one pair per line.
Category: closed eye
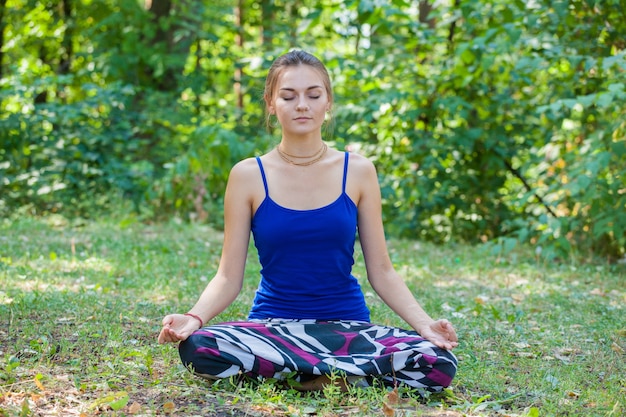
291,98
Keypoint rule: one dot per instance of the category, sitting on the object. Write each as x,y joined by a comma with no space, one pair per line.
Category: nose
302,104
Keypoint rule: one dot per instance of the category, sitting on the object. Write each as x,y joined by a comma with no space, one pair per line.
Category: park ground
81,303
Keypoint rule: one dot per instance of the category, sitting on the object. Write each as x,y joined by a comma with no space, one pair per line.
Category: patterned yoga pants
308,348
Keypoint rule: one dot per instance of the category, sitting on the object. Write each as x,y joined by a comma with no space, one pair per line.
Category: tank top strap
345,172
258,160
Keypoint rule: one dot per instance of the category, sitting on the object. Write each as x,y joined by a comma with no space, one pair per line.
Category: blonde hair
292,59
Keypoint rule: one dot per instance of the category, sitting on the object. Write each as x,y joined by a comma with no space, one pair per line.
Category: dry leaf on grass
169,407
134,408
388,411
391,399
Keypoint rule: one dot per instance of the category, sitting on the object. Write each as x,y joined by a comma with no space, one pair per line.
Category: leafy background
489,121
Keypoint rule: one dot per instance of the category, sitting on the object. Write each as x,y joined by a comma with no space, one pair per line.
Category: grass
81,304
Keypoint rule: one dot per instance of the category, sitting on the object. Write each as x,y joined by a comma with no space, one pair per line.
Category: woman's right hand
177,327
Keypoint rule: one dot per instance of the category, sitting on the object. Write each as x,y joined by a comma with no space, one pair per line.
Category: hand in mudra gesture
177,327
441,333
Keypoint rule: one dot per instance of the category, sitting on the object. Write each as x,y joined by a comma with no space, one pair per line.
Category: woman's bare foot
319,383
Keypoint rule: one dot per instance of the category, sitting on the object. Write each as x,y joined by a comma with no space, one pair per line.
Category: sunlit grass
81,304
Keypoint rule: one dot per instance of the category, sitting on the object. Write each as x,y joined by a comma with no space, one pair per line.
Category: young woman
304,203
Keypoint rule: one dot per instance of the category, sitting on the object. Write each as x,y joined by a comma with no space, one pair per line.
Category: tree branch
527,186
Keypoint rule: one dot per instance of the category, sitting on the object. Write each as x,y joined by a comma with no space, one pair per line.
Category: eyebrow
293,89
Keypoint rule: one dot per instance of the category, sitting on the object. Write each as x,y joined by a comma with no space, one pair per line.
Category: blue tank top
306,258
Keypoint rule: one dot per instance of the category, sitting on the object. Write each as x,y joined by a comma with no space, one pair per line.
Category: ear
268,105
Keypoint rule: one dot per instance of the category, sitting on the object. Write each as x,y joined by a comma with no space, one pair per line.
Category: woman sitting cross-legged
304,204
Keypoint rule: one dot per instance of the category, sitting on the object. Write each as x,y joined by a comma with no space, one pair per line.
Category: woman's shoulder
245,167
361,164
244,175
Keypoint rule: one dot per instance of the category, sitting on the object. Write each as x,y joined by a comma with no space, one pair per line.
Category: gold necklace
320,154
303,157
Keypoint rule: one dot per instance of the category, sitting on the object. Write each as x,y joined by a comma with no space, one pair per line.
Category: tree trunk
3,5
65,61
67,45
239,13
425,8
161,9
267,17
42,96
292,12
457,3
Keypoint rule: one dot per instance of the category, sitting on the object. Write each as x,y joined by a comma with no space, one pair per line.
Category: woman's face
300,101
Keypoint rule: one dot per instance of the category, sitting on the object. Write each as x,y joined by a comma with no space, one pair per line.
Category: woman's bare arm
222,290
381,274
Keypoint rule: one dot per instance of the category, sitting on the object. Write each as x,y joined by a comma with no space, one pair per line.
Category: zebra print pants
308,348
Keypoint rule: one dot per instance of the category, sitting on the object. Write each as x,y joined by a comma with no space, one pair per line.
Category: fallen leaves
38,382
597,291
388,411
114,400
134,408
523,350
169,407
395,406
615,347
391,400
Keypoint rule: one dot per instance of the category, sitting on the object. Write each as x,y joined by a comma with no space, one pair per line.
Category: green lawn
81,304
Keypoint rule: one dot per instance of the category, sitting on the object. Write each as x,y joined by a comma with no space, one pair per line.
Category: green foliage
488,121
65,156
195,181
479,109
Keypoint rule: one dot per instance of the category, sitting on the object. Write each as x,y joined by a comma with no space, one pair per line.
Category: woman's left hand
441,333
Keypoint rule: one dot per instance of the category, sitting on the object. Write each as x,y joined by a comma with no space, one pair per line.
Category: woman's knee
444,369
187,349
201,354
